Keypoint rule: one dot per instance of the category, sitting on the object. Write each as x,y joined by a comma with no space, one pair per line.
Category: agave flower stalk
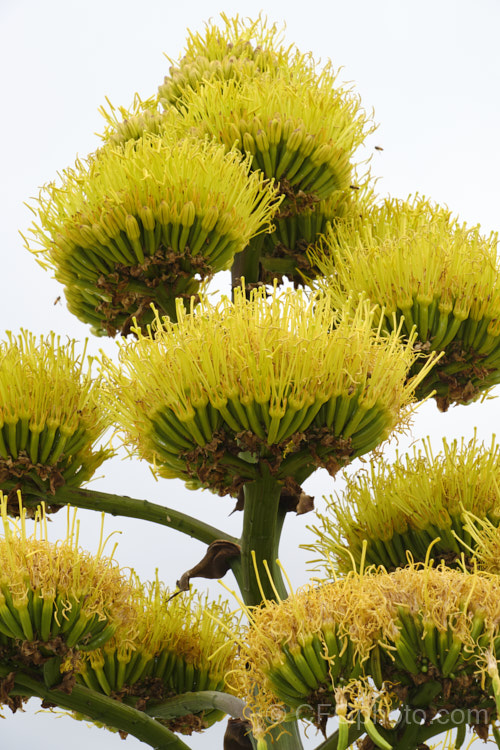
146,222
440,277
425,637
50,416
390,512
103,711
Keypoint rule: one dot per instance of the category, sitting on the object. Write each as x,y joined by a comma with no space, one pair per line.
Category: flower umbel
53,596
281,380
170,646
402,508
147,222
424,268
50,416
241,49
423,636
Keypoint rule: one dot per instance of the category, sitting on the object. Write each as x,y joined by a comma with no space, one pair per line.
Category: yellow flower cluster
147,221
422,267
170,646
283,379
240,49
81,615
50,415
55,594
420,499
434,631
281,121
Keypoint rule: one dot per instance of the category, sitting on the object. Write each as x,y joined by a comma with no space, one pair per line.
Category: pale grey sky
429,69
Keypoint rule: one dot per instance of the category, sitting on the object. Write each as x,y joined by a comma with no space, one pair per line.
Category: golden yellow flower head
146,222
420,635
54,596
239,86
170,646
422,266
405,506
237,49
51,416
282,380
143,116
300,128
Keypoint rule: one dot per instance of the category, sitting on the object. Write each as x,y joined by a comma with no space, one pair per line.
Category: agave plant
248,160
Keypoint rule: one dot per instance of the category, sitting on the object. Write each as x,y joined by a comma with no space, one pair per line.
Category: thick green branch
261,532
187,703
106,710
121,505
331,743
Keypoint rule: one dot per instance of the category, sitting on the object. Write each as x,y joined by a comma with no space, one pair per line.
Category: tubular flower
402,508
50,416
429,636
241,49
171,646
284,381
484,535
424,268
55,599
146,222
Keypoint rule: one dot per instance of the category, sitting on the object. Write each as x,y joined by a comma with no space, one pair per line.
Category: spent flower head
420,635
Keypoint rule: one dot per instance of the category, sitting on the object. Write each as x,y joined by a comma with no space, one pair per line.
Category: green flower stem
435,727
166,299
188,703
121,505
407,732
261,532
332,742
247,263
285,737
106,710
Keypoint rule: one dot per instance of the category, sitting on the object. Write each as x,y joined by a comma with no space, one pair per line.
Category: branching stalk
121,505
